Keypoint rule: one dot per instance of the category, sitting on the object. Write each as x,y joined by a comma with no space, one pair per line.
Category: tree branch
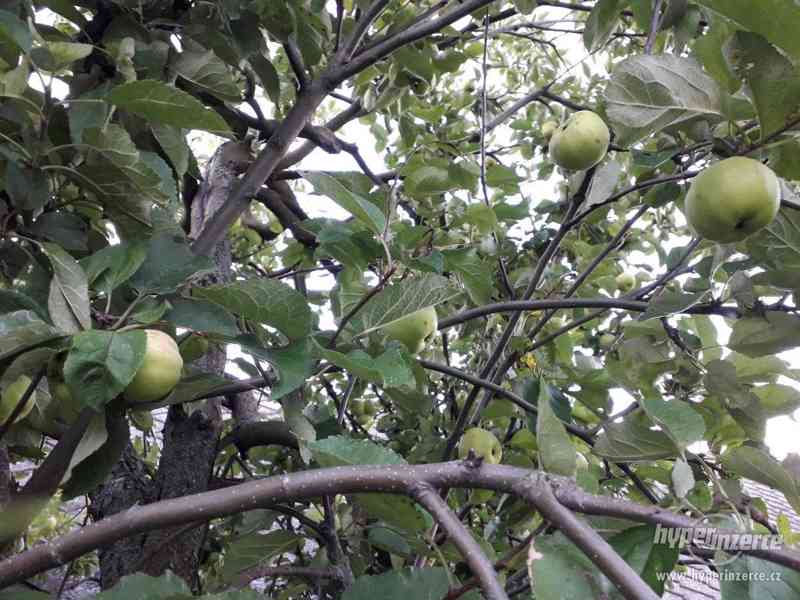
429,498
392,479
538,492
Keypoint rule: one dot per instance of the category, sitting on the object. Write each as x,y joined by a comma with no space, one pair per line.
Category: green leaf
199,315
556,452
264,301
68,302
206,71
776,20
602,22
398,300
22,330
747,578
28,187
339,450
753,463
112,266
95,468
64,228
648,559
139,586
55,56
400,584
773,82
474,272
765,335
396,510
268,76
13,33
633,440
777,399
169,263
681,422
777,246
93,439
101,364
559,570
294,365
648,93
173,142
250,550
362,209
158,102
389,369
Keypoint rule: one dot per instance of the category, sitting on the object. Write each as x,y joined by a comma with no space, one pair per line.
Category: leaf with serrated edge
68,301
648,93
401,299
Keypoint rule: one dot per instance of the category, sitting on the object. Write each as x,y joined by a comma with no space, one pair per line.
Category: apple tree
358,298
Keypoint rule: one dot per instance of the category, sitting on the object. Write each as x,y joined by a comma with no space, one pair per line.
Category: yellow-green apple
483,443
581,142
160,371
413,329
732,199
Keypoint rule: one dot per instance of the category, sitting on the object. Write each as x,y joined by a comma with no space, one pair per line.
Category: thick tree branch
429,498
393,479
538,492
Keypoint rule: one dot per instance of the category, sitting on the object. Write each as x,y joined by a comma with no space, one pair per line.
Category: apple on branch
483,443
581,142
160,370
414,329
732,199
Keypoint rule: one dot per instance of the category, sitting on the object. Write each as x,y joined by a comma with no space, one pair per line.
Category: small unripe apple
733,199
581,142
606,341
160,370
11,397
548,129
483,443
625,282
370,408
413,329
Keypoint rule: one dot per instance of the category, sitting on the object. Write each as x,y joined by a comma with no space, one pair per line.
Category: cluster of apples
727,202
157,376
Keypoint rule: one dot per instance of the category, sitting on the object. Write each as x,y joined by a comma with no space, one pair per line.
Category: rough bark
190,439
129,485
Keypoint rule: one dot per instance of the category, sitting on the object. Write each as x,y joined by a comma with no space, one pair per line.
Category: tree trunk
129,485
189,438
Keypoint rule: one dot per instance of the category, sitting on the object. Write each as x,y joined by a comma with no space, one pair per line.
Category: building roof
701,583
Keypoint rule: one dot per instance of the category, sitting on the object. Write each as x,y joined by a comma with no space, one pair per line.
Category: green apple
160,370
413,329
625,282
548,129
370,408
11,397
483,443
358,407
732,199
581,142
607,340
66,409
